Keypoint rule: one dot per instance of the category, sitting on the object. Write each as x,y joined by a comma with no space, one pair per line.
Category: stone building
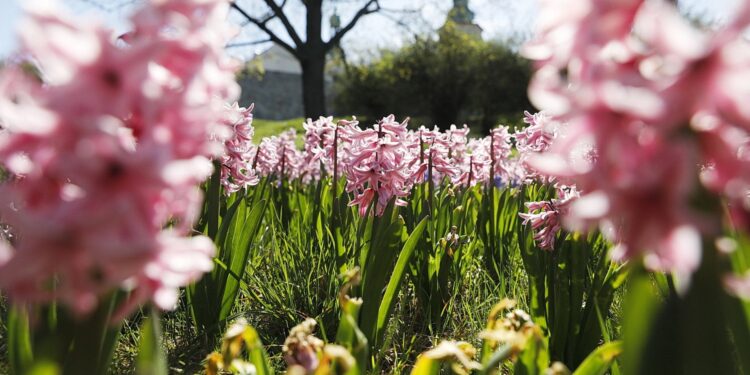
276,87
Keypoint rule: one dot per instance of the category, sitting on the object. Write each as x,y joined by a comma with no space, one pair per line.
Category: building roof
278,59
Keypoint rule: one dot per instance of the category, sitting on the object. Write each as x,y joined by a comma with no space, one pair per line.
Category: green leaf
256,353
600,360
427,366
243,230
397,277
44,368
20,354
94,338
349,335
501,354
381,256
151,359
534,358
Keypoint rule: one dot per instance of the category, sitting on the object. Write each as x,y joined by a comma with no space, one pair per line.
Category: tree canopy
446,80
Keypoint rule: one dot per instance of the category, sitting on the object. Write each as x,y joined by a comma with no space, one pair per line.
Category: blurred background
439,62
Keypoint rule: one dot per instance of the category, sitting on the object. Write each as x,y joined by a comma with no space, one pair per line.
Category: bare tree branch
365,10
263,25
110,7
278,10
248,43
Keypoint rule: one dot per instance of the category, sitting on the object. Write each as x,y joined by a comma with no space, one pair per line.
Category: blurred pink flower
107,154
646,98
738,285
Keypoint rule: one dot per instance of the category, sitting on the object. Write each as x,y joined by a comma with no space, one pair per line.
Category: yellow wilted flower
237,336
301,347
336,359
510,326
459,354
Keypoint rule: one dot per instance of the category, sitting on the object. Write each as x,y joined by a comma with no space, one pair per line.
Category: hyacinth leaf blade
492,364
350,336
739,310
44,367
213,202
558,302
533,262
600,360
381,255
20,354
704,347
151,358
203,295
578,258
740,260
640,309
427,366
212,298
227,221
245,227
397,279
534,358
93,338
256,353
608,278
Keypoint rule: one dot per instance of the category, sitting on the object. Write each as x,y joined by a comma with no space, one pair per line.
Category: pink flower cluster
278,157
437,153
538,136
107,147
388,159
237,170
647,98
475,166
319,154
546,222
379,159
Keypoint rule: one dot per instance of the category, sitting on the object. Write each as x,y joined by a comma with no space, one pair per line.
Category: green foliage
212,299
697,331
600,360
455,78
397,277
151,358
60,343
20,353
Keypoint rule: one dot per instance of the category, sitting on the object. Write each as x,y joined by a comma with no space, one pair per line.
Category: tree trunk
313,86
313,61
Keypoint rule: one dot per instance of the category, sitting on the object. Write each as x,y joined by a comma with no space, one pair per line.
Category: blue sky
498,18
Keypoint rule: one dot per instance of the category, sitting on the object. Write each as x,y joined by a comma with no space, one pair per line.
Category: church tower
463,18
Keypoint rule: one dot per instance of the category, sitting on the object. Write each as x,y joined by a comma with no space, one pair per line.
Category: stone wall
277,95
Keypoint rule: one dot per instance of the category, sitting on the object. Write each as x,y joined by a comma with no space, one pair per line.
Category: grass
267,128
